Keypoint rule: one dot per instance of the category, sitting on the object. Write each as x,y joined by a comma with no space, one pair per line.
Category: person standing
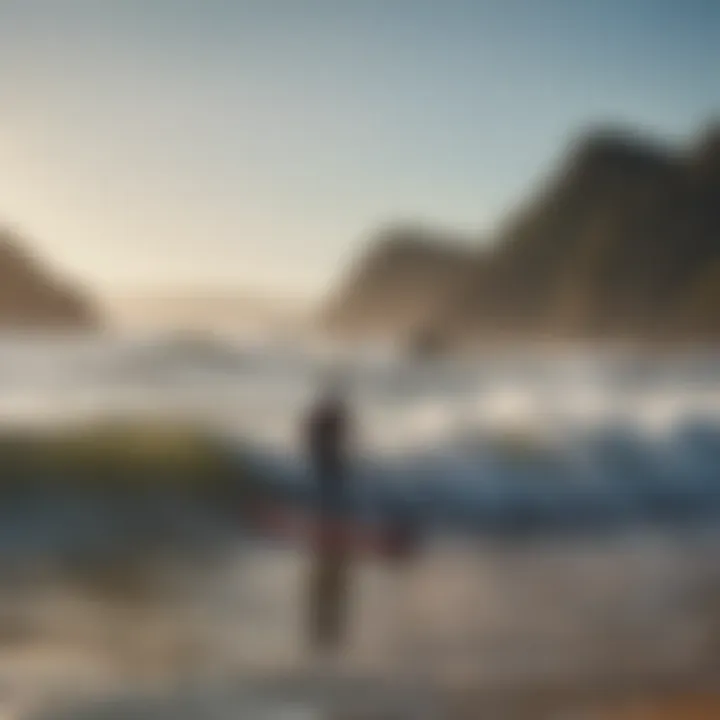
327,439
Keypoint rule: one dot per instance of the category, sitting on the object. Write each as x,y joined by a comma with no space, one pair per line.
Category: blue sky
256,143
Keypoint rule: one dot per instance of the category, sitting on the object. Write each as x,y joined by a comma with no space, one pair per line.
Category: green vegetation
108,504
128,455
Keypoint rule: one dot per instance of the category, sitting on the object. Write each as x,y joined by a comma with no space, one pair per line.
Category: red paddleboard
387,540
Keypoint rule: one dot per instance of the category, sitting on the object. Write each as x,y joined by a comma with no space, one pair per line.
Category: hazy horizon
253,145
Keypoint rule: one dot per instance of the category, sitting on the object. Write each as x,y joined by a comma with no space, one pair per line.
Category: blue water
542,440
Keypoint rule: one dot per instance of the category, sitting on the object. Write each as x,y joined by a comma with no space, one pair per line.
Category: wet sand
501,630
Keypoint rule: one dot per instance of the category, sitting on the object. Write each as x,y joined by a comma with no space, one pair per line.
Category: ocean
569,498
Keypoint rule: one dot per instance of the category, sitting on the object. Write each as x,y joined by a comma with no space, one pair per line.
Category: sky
257,144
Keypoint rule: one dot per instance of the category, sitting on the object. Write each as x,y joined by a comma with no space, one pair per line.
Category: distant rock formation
32,297
399,286
621,243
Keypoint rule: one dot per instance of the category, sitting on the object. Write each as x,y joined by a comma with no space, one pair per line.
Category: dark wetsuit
327,443
326,437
